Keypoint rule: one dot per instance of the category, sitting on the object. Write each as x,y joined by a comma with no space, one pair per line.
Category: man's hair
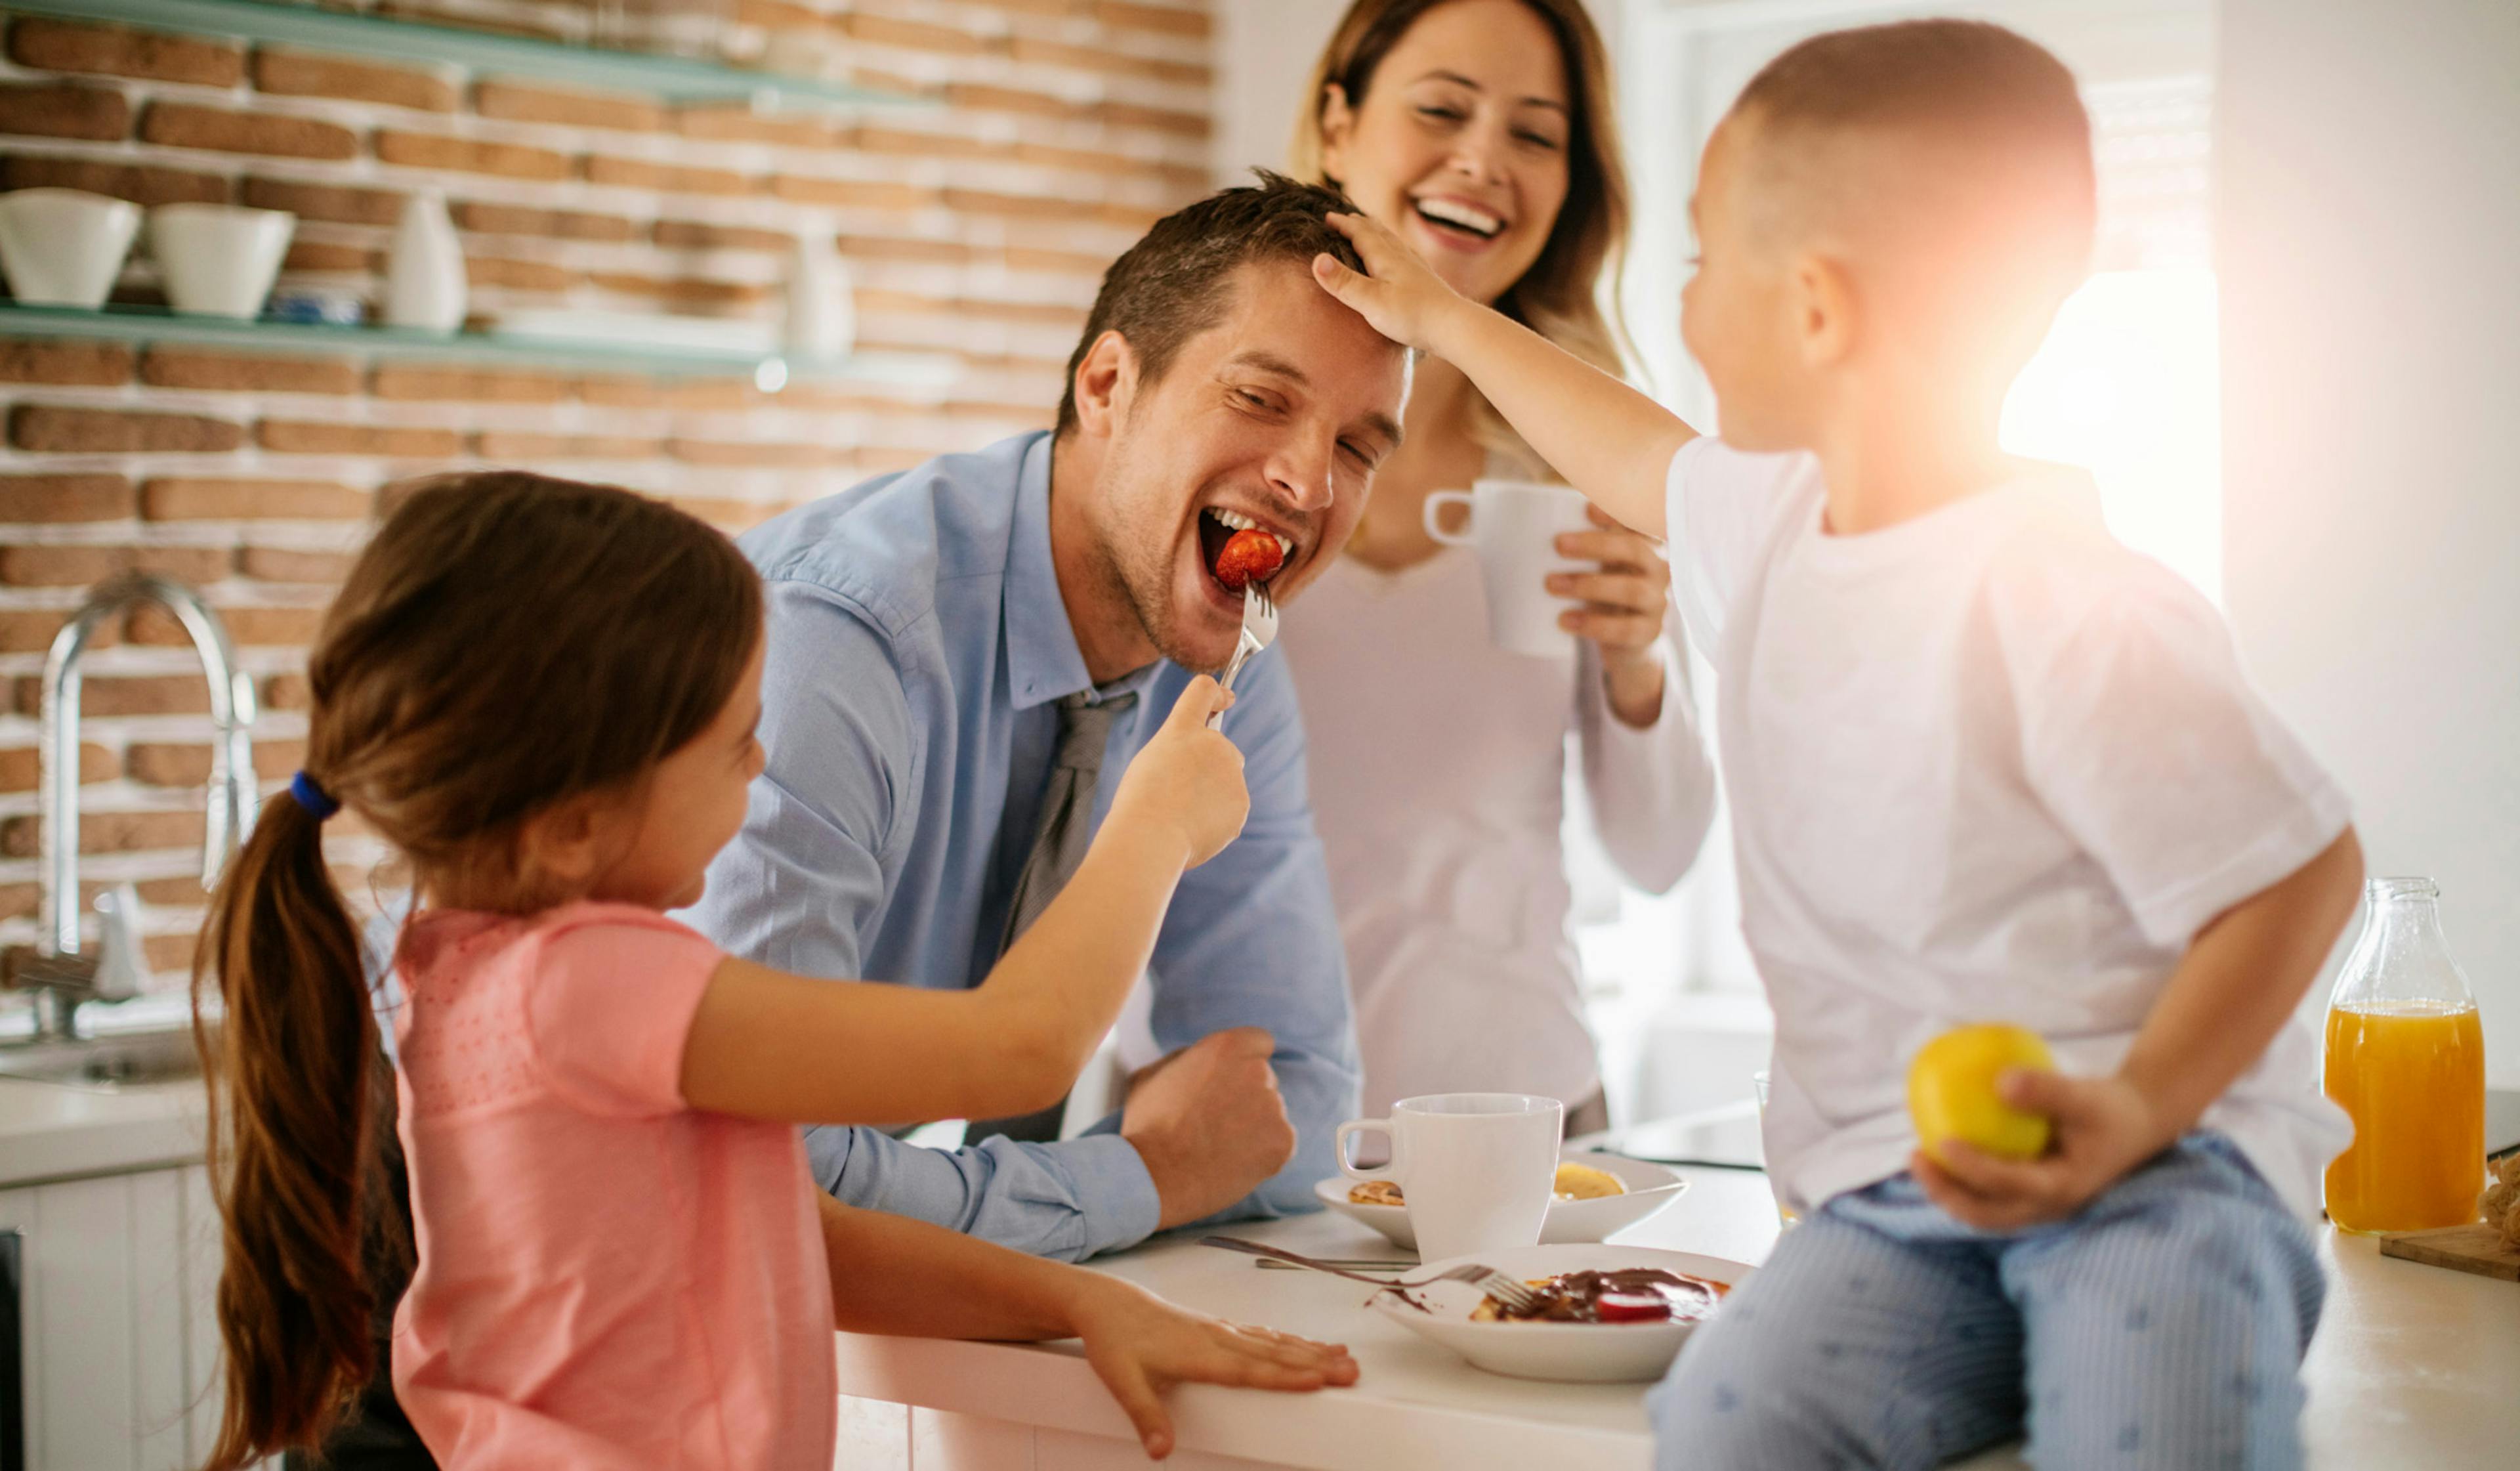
2013,175
1174,283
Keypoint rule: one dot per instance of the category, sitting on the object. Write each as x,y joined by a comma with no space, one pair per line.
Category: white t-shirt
1986,764
1438,764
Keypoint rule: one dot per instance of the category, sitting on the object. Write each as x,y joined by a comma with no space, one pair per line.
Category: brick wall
977,229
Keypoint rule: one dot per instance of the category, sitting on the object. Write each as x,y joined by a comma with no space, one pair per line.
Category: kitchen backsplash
976,229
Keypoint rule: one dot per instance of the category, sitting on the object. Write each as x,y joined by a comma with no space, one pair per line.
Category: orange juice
2412,1074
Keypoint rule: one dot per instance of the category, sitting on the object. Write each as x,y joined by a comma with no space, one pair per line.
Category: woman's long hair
506,642
1560,296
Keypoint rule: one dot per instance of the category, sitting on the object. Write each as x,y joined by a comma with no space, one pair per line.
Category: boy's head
1900,206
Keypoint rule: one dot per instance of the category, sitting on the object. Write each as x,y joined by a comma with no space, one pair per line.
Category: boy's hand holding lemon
2007,1141
1951,1091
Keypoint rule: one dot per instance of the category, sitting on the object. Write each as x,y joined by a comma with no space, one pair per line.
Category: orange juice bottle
2406,1059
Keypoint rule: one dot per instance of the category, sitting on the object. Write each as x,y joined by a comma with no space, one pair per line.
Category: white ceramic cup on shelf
1474,1170
1513,527
219,259
63,247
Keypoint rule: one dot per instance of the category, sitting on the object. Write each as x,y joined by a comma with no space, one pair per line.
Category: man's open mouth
1456,218
1237,550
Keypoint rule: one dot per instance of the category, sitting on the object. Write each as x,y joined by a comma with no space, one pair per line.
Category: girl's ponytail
293,1114
506,641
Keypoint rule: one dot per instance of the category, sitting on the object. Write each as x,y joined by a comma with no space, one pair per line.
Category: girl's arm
1608,441
891,1274
772,1045
2234,989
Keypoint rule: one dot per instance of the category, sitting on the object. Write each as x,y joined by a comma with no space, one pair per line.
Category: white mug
1515,527
1475,1170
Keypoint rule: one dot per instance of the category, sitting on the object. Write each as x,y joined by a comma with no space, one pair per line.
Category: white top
1438,778
1988,765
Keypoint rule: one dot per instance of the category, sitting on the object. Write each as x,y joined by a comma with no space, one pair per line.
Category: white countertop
2412,1365
50,1131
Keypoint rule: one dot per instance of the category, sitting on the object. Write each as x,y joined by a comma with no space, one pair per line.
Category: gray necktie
1058,845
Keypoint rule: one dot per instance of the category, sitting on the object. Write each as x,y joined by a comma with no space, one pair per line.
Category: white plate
1596,1352
1651,1187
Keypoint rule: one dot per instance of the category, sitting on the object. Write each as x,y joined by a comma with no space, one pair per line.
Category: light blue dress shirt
917,650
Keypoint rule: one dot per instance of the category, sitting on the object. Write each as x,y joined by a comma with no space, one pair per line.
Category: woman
1480,130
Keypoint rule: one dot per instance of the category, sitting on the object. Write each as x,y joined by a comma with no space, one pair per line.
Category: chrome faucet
58,972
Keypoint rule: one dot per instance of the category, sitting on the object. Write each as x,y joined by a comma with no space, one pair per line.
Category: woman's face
1460,144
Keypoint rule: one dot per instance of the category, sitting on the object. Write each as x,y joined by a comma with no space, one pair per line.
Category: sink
105,1063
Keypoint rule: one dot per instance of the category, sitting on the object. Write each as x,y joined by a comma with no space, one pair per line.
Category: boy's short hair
2011,179
1171,284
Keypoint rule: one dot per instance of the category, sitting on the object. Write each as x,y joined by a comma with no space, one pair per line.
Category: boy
1985,763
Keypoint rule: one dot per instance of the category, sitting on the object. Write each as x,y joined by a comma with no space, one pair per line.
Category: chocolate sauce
1575,1296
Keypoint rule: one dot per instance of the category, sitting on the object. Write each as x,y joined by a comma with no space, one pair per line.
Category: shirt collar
1043,662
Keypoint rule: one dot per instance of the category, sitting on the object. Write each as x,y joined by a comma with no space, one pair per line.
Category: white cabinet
121,1350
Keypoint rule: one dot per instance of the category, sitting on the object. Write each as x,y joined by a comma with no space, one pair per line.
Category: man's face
1275,418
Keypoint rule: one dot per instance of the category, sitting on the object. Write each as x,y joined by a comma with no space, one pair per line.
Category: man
958,654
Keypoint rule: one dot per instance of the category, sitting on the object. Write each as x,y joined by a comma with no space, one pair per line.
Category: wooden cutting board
2475,1247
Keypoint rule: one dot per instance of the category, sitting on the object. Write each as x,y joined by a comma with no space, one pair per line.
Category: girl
1481,132
543,695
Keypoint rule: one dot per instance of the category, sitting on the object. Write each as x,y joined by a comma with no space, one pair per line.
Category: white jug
425,283
822,307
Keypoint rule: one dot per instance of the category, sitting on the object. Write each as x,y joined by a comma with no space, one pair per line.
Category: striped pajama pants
2161,1329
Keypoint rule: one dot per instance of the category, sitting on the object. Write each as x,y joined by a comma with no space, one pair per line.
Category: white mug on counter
1515,527
1475,1169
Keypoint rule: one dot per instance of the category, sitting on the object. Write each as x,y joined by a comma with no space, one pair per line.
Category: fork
1259,630
1496,1284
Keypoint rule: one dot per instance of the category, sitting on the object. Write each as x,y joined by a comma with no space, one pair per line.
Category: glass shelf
670,77
770,373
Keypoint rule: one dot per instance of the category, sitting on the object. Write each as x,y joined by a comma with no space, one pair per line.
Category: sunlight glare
2127,385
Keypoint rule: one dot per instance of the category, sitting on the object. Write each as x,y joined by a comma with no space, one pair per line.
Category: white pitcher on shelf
822,305
424,282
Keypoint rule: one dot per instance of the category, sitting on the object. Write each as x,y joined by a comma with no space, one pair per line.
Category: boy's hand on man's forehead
1401,297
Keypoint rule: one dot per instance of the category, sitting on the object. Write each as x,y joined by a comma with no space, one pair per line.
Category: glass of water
1759,1081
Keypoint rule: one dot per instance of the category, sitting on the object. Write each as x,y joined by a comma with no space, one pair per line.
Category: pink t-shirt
608,1276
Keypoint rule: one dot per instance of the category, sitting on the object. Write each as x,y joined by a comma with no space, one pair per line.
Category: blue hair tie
318,803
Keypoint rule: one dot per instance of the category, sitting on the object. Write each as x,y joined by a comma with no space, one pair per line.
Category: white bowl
1595,1352
1650,1189
219,259
63,247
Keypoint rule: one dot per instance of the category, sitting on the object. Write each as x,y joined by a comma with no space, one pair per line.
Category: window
2128,383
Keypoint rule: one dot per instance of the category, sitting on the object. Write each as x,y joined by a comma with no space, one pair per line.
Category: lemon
1951,1090
1584,1183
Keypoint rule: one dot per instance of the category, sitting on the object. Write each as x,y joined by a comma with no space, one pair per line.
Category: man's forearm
2240,981
1066,1201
